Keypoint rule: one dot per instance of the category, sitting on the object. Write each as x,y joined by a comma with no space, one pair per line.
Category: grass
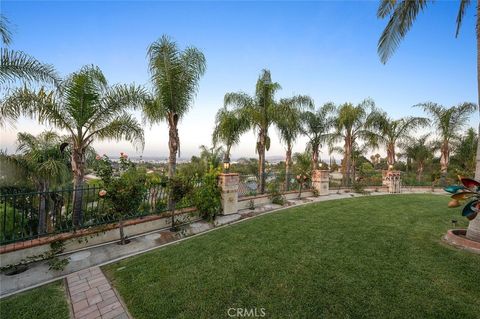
370,257
45,302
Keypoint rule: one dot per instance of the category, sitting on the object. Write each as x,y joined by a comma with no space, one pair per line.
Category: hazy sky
324,49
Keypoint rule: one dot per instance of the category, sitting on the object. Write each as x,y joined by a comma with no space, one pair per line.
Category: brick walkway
92,296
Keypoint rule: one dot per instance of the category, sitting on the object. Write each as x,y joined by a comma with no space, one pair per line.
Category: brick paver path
92,296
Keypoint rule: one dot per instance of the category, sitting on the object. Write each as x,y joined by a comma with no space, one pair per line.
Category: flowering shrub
124,187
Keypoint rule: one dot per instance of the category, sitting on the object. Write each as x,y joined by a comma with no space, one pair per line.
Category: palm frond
115,101
17,65
5,32
175,74
229,126
402,15
461,12
385,8
40,104
124,127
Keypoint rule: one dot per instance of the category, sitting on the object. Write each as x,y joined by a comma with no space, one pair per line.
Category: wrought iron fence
29,215
274,182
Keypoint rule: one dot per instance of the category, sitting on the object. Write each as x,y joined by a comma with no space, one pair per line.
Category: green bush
207,198
124,189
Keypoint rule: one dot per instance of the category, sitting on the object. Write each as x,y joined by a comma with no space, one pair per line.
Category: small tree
179,189
207,199
124,189
303,169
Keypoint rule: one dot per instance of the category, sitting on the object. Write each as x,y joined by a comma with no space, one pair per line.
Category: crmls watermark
246,312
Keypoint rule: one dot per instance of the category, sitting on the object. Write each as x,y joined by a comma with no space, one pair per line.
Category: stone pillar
229,188
320,180
392,179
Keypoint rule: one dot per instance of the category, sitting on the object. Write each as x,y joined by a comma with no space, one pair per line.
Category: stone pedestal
229,185
392,179
320,180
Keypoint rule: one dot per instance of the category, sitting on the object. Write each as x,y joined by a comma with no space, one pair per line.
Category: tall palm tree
41,161
289,126
17,65
392,131
402,14
448,123
88,109
229,126
418,150
175,76
316,126
353,123
261,110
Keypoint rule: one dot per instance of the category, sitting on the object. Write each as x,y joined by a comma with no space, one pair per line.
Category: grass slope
370,257
45,302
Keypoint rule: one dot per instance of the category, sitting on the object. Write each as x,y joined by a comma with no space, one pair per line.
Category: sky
325,49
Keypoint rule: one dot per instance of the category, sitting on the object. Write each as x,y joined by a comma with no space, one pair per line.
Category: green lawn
46,302
370,257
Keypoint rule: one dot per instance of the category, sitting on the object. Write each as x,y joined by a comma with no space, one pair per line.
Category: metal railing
274,182
29,215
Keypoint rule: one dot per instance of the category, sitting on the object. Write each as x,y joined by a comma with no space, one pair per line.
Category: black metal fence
374,180
25,216
274,182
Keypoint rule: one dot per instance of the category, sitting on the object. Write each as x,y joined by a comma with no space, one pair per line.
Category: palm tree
357,152
351,124
289,126
175,76
448,122
88,109
17,65
229,126
464,151
316,126
42,162
302,169
418,150
261,110
211,156
392,131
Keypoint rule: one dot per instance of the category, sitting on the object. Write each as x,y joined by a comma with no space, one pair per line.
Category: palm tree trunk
288,162
42,212
391,154
473,230
348,163
261,161
173,140
444,159
420,172
227,153
78,168
314,157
